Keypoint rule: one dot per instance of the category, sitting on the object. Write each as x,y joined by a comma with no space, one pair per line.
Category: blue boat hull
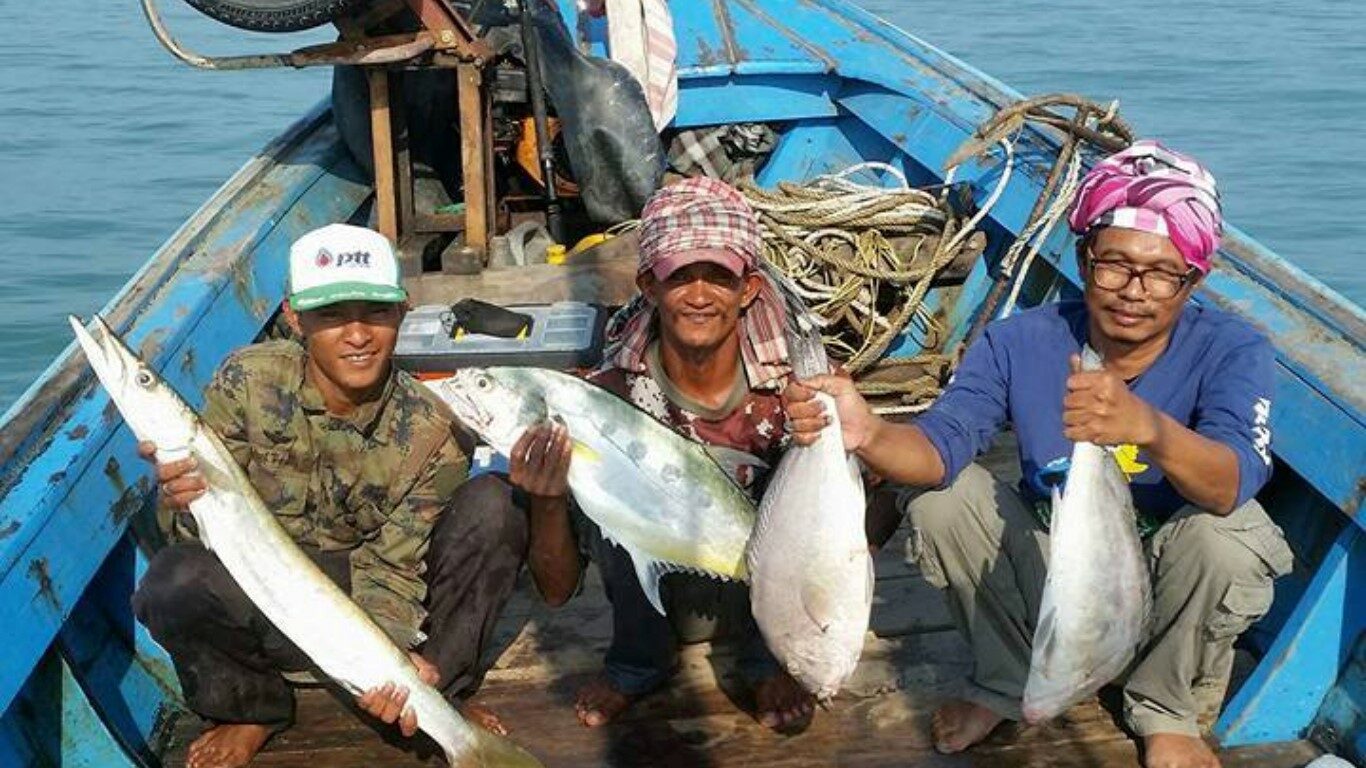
82,684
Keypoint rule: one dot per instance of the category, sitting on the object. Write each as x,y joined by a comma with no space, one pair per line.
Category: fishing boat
82,684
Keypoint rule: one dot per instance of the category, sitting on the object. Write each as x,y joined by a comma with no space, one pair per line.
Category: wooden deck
912,661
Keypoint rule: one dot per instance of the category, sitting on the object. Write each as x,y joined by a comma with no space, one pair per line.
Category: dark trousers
229,657
644,649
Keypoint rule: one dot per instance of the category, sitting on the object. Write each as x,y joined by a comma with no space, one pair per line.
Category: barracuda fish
280,580
1096,601
812,574
660,496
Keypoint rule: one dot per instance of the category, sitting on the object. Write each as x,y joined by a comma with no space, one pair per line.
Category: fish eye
144,378
482,383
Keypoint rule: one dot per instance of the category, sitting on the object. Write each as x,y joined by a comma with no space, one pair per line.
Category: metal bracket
454,39
447,41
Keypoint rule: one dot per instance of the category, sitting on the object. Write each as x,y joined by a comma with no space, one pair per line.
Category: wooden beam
381,139
475,151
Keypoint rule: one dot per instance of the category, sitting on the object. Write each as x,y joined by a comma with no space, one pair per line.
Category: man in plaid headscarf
702,350
1184,395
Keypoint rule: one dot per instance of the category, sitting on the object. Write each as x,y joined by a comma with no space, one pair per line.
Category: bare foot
483,717
598,703
959,724
230,745
781,703
1177,750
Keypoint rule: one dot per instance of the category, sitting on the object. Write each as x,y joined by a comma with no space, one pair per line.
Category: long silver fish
660,496
280,580
811,572
1096,600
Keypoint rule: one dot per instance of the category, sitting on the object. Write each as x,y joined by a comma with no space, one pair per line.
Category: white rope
1057,210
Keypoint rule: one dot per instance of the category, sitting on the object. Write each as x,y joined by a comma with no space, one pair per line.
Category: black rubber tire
275,15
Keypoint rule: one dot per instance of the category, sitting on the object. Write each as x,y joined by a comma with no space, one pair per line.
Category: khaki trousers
1212,578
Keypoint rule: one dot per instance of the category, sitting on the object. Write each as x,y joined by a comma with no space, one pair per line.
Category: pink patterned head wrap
1150,188
698,219
702,219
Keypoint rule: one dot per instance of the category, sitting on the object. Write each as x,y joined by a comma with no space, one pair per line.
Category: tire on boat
275,15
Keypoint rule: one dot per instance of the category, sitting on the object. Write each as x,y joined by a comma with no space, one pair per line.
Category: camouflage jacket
373,482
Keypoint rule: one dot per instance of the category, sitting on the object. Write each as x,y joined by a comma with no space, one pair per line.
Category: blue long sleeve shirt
1215,377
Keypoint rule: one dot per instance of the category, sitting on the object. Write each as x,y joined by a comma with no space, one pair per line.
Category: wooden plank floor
912,661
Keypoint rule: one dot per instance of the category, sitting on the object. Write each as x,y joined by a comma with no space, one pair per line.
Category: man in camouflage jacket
367,472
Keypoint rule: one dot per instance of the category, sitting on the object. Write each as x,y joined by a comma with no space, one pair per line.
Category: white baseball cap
341,262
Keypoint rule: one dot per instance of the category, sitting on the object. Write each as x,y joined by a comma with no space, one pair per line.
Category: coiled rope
863,256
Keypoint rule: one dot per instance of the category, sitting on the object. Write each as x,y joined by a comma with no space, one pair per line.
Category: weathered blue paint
88,478
53,723
768,39
1341,722
848,88
127,677
711,100
1311,525
1280,699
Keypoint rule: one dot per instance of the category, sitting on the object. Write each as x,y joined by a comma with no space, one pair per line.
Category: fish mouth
107,356
464,405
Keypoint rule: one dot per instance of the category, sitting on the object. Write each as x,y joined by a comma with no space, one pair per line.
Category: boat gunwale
1254,258
28,424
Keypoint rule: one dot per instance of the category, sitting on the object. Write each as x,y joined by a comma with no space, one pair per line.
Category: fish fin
1091,359
731,460
805,347
648,571
817,604
855,470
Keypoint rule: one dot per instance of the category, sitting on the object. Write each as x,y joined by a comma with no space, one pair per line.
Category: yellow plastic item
591,241
555,254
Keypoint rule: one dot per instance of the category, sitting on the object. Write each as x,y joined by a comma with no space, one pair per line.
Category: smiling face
1130,314
699,304
350,345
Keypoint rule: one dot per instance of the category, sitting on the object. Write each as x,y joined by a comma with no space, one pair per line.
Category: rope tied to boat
1090,124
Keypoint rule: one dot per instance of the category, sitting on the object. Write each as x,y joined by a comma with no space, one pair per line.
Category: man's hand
389,702
539,463
806,415
1100,409
180,481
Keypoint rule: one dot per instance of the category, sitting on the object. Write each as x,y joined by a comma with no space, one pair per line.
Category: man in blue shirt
1185,393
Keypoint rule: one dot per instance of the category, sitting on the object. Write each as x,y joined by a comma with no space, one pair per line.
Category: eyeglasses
1157,283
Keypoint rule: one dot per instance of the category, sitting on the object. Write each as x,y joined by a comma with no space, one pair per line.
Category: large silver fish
811,573
1094,611
657,494
280,580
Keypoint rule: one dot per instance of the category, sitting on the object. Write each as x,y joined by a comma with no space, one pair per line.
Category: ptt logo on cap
354,259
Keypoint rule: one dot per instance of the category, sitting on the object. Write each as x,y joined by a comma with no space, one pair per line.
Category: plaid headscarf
1153,189
692,221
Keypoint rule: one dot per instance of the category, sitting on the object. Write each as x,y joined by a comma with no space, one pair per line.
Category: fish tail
492,751
806,350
